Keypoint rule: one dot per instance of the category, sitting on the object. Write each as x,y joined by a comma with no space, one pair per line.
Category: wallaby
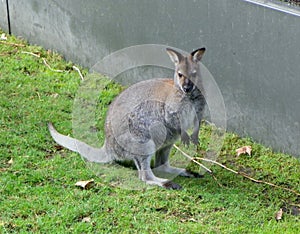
147,118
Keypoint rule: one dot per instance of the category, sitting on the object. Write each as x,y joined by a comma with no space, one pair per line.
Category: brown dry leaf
85,184
244,150
278,215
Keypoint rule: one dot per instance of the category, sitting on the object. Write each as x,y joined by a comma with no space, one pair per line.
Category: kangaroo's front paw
185,139
195,139
172,185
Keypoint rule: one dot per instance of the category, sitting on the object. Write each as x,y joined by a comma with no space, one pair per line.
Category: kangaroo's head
186,68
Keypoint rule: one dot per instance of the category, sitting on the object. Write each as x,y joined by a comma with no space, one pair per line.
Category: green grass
37,188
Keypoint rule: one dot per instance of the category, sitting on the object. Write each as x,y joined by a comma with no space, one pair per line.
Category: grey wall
3,16
253,49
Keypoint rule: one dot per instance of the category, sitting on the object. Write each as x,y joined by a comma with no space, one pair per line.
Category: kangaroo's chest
181,115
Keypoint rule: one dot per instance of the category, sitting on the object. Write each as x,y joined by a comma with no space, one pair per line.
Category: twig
79,72
44,61
236,172
192,159
215,178
200,164
217,163
268,183
33,54
12,44
47,65
247,176
39,96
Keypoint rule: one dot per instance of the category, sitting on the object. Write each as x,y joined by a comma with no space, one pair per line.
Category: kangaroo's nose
188,86
187,89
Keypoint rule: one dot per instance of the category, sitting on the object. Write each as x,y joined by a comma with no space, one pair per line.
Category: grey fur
147,118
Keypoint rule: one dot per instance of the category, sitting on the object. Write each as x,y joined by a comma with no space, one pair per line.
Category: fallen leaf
278,215
3,37
243,150
192,220
10,162
85,184
86,220
188,220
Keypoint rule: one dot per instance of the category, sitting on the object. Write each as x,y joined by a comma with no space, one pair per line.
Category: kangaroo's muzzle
188,86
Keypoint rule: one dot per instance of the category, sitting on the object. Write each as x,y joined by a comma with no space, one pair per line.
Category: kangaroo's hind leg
145,174
162,164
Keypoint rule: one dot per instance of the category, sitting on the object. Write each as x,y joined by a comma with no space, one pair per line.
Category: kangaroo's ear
197,54
175,56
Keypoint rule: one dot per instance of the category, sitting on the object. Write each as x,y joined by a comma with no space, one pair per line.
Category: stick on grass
12,44
79,72
195,159
44,61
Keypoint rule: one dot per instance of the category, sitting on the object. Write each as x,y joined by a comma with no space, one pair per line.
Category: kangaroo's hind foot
146,174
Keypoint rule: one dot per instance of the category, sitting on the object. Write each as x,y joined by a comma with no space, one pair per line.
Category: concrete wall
3,16
253,49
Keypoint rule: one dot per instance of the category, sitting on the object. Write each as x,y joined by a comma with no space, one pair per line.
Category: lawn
37,177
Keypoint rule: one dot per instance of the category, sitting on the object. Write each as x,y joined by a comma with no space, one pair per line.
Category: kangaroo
147,118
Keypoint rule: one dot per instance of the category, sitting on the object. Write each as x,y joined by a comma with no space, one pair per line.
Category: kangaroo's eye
180,74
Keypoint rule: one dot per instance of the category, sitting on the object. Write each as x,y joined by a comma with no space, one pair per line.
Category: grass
37,177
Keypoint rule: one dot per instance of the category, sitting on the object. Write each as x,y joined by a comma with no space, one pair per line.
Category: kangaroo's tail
90,153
